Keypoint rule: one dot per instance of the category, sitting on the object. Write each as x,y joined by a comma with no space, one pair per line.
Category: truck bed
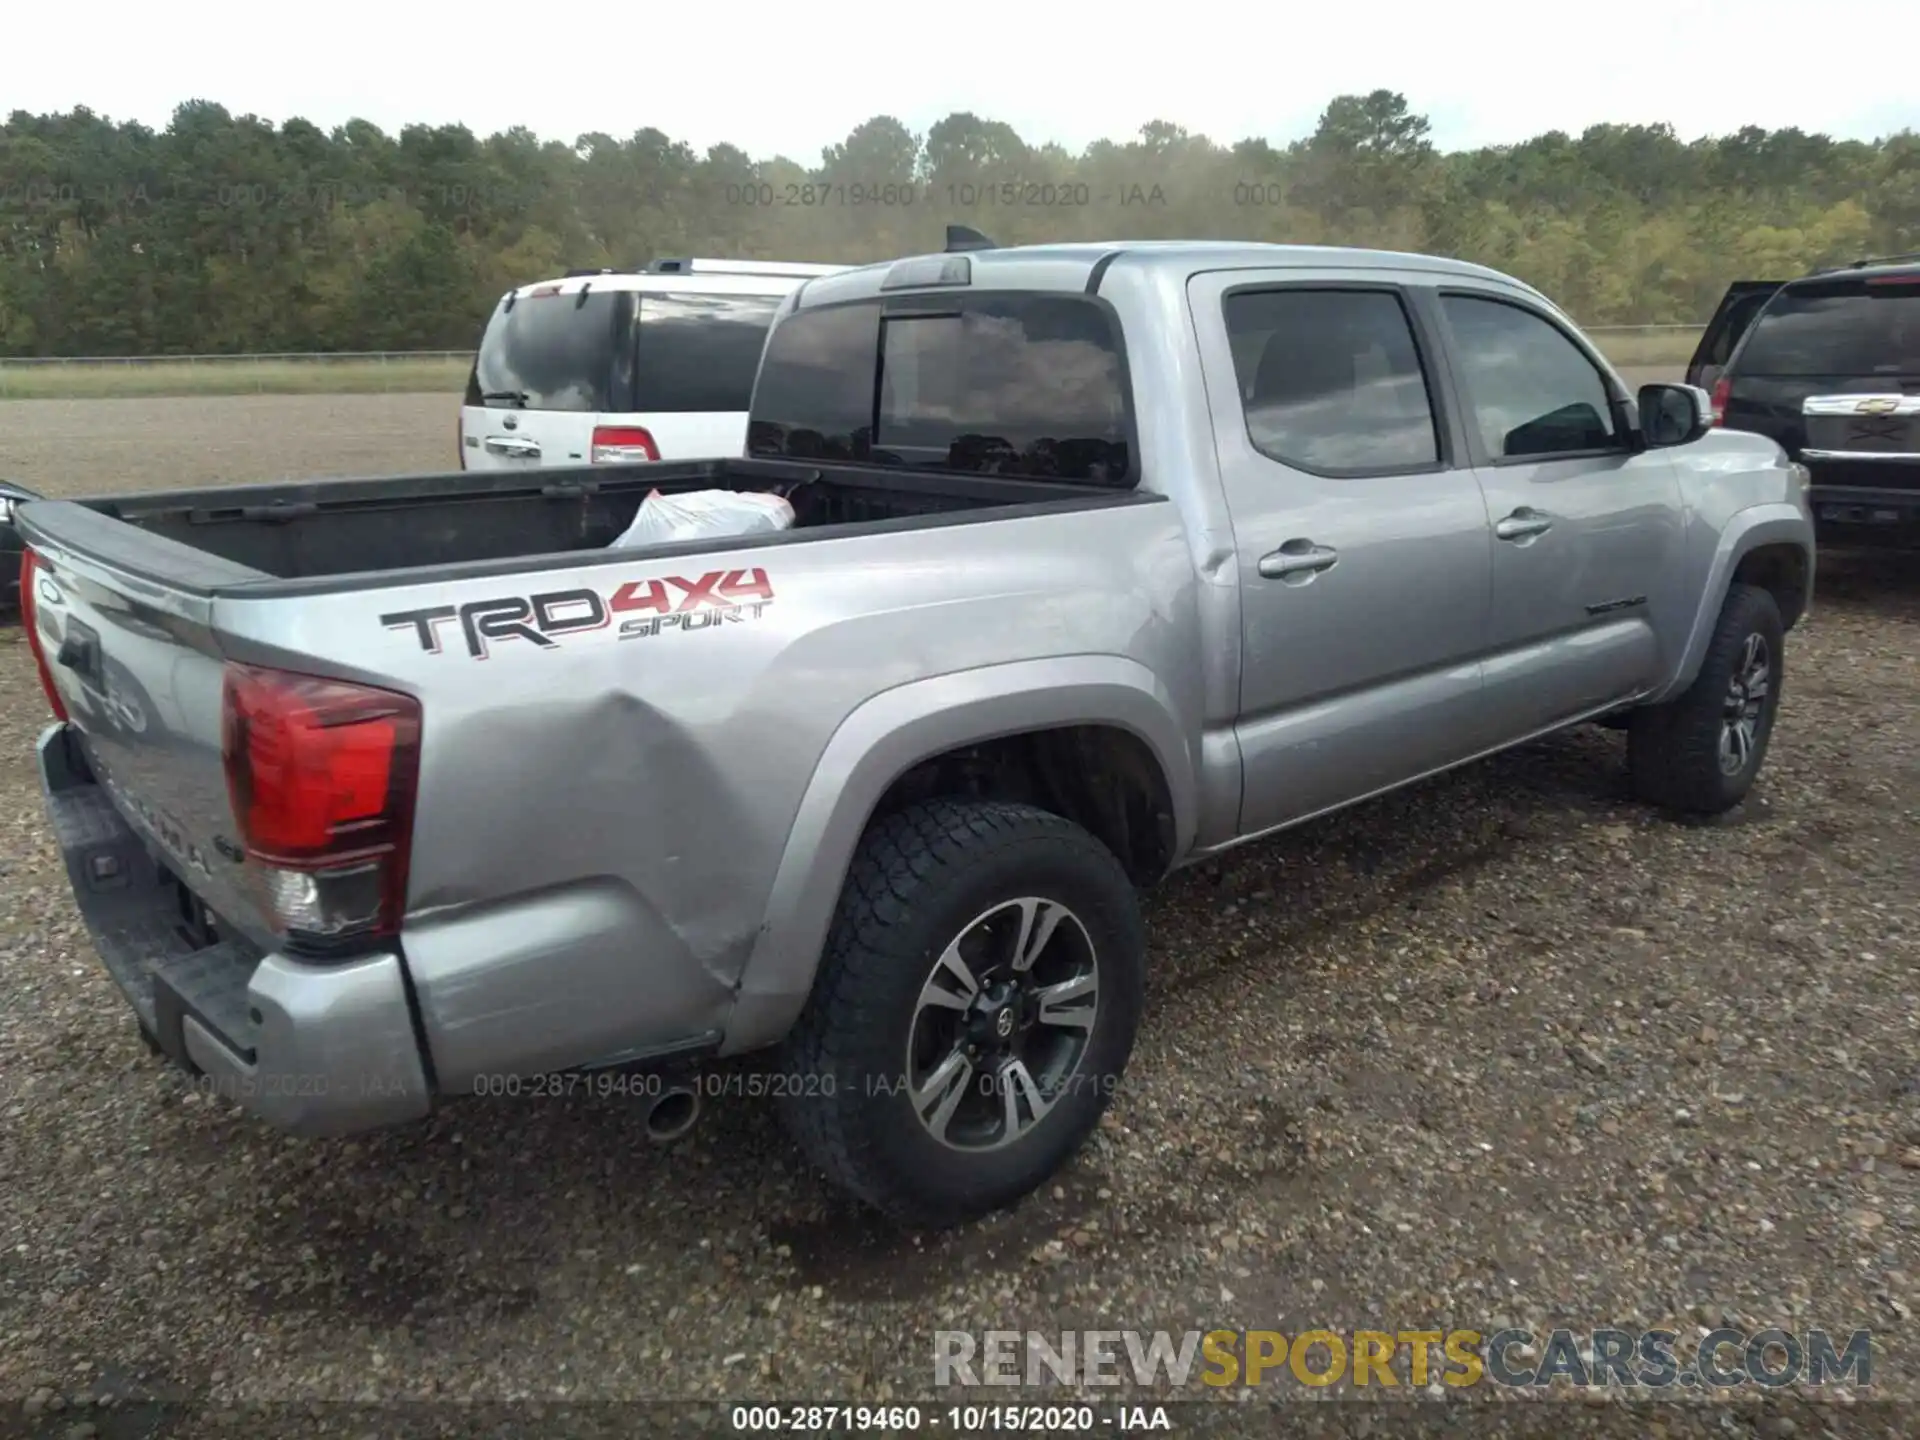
342,534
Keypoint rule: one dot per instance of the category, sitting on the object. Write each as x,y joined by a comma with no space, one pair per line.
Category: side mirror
1674,414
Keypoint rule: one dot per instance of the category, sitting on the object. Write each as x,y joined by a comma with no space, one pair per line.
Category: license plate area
1871,435
1881,424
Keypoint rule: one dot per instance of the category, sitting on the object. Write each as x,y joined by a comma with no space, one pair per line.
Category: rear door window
1838,327
1008,384
698,353
1331,380
556,352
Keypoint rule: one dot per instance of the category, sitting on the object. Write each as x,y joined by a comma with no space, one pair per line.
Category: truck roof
1072,265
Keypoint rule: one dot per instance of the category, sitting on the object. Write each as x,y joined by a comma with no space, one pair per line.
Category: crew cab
1105,559
1829,366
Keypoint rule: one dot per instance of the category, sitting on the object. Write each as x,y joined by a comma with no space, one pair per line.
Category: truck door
1586,524
1360,535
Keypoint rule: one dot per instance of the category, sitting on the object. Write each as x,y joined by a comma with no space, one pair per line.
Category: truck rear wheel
973,1011
1701,751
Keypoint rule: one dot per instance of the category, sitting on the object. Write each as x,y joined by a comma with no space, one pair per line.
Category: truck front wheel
1701,751
973,1011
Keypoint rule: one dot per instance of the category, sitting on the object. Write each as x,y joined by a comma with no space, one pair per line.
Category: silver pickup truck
1105,558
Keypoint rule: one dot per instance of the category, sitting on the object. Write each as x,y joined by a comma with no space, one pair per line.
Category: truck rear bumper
310,1049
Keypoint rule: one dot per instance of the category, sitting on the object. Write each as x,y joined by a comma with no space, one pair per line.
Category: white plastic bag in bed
705,515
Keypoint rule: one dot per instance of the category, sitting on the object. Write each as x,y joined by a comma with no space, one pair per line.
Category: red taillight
30,621
622,445
321,776
1721,389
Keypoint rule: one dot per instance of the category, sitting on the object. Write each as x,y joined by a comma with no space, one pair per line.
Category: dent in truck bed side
600,821
600,818
889,735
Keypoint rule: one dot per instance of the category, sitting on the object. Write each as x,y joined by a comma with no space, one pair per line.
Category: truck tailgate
138,797
141,679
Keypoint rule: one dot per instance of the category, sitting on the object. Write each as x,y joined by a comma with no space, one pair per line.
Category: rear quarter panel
600,821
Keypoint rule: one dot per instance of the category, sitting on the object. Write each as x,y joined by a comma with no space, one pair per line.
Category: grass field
437,375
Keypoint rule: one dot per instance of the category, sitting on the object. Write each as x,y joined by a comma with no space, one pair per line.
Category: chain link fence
82,377
1640,350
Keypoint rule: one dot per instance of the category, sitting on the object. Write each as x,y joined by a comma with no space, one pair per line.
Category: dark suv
1829,366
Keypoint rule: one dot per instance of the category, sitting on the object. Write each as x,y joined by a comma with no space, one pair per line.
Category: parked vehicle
606,367
1829,366
11,544
1105,558
1731,320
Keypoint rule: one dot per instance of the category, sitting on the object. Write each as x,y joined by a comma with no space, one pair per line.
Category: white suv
607,367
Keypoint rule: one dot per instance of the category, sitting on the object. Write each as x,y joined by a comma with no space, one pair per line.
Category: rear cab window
1330,380
1025,384
1848,326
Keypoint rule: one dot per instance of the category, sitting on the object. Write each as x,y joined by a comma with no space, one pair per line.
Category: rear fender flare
887,736
1772,524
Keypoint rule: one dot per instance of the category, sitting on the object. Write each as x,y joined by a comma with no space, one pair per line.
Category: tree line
226,233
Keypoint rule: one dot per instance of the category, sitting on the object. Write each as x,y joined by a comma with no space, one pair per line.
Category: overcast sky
1484,71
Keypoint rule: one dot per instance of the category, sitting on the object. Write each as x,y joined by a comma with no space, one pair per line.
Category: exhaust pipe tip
674,1112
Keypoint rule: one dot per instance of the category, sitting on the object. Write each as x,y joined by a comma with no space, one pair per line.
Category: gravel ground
1505,1047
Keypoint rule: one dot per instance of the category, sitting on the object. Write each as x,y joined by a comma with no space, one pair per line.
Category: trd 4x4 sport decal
672,605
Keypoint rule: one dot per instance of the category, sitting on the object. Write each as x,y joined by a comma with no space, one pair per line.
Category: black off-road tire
920,876
1673,749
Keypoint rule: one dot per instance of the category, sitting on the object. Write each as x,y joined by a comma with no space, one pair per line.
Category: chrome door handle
505,445
1523,524
1297,557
